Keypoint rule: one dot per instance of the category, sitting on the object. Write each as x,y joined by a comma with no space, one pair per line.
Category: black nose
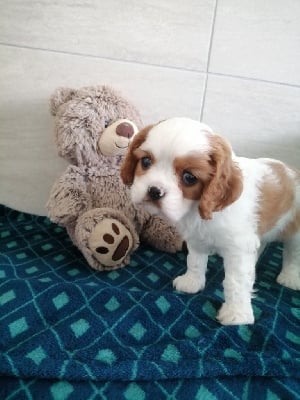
155,193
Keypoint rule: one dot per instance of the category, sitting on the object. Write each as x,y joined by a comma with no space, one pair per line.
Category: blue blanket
70,333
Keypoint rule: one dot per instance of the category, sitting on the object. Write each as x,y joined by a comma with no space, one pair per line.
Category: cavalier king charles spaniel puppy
220,203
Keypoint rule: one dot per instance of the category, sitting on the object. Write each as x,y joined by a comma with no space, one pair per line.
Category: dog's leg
290,273
194,278
238,287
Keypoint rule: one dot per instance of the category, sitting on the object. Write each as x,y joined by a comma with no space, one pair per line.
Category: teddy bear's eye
146,162
188,178
107,123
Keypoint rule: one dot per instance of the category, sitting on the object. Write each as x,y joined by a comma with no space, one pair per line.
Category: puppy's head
180,164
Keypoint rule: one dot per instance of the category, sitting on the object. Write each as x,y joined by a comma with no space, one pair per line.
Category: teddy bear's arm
68,197
160,234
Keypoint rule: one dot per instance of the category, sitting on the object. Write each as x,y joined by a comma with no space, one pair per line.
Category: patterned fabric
69,332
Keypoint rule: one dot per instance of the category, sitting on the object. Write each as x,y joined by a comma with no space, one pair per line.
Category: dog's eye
146,162
188,178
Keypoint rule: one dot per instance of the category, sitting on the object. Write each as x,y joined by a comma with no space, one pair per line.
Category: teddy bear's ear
61,95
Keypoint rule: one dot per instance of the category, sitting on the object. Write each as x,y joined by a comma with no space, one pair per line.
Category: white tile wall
233,63
159,32
258,39
259,118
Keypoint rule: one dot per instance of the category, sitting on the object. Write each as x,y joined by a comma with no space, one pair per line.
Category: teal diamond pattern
61,390
21,256
171,354
61,300
230,353
134,392
6,297
296,301
11,244
153,277
31,270
112,304
272,396
80,327
138,331
107,356
113,275
148,253
292,337
245,333
127,333
45,280
133,263
17,327
2,274
47,246
37,355
73,272
204,394
168,266
59,257
209,309
192,332
4,234
163,304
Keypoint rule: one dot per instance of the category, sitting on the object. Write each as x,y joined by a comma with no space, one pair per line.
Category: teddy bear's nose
125,129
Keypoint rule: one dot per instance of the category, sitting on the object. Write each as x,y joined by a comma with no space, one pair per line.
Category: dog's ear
226,183
129,164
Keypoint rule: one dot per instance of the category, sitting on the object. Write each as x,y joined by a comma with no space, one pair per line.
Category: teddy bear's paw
110,241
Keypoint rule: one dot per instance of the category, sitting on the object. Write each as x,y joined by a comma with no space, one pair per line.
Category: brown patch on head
226,182
131,160
199,167
276,198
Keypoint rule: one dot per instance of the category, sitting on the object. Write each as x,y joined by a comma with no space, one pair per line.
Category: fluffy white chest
212,236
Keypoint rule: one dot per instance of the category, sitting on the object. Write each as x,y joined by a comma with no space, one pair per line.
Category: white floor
235,64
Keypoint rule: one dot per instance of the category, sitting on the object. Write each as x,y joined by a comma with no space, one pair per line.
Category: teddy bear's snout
125,129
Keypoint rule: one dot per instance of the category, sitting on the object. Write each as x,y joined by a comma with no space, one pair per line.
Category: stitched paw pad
110,242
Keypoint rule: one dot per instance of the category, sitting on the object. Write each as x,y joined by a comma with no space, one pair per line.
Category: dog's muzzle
155,193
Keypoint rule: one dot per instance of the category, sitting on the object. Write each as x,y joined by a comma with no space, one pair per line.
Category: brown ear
226,184
129,164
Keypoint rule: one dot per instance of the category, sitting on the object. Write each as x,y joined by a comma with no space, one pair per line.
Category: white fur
232,232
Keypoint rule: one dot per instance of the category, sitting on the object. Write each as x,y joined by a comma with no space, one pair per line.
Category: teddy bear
93,127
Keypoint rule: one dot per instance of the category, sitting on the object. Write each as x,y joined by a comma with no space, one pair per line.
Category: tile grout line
101,57
208,61
203,97
260,80
182,69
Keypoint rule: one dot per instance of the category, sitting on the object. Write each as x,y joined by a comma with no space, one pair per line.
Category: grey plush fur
89,199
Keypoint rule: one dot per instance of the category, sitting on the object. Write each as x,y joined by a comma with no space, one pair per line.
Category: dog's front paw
235,314
189,283
289,279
